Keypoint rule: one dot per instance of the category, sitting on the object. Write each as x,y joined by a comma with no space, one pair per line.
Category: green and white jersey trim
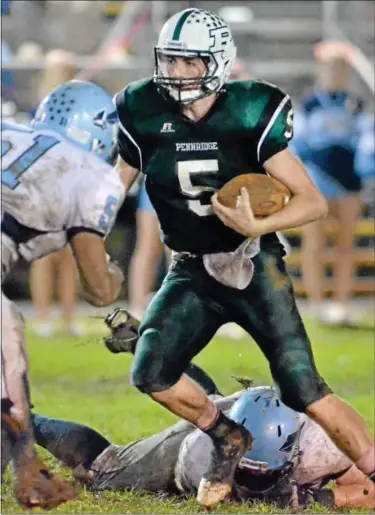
270,124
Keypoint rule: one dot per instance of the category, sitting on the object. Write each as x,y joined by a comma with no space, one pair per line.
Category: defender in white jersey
62,193
57,189
289,465
291,461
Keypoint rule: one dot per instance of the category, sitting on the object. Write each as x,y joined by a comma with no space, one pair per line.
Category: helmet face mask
194,33
262,482
198,87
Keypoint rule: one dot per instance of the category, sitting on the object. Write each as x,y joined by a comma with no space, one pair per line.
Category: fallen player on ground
288,466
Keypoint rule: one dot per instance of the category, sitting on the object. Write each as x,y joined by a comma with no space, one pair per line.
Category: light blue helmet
83,113
275,428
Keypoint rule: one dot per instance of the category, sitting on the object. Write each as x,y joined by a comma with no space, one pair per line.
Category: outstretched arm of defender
101,280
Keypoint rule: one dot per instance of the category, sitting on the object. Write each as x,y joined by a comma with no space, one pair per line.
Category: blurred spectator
328,128
147,257
365,164
60,67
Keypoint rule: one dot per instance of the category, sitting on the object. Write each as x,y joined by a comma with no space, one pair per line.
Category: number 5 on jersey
109,212
190,170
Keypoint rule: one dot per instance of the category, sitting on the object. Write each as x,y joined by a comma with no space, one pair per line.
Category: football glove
124,331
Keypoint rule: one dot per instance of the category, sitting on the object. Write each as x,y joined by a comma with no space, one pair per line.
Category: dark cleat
216,484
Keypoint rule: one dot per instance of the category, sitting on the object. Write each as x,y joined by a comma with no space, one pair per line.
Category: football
267,195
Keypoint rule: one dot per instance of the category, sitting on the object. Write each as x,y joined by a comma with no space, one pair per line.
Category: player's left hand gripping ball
124,331
241,219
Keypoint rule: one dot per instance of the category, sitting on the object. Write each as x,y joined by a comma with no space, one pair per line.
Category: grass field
79,379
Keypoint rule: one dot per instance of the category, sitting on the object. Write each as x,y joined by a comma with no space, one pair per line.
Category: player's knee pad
153,369
298,381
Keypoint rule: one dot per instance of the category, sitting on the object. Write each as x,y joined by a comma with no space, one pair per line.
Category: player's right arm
101,280
94,216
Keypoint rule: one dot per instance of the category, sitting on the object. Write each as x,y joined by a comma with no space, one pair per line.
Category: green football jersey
185,162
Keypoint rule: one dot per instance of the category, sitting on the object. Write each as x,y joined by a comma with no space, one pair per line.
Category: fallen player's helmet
195,33
83,113
276,431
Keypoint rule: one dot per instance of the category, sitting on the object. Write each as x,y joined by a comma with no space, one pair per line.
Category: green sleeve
128,147
277,132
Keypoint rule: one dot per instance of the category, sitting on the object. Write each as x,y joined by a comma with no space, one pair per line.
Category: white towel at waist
234,269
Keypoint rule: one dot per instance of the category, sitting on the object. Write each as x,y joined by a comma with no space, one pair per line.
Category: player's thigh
268,311
180,321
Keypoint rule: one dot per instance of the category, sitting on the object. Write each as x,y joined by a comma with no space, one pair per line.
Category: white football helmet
195,33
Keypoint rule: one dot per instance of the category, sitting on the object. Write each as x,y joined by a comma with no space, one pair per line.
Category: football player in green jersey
190,131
